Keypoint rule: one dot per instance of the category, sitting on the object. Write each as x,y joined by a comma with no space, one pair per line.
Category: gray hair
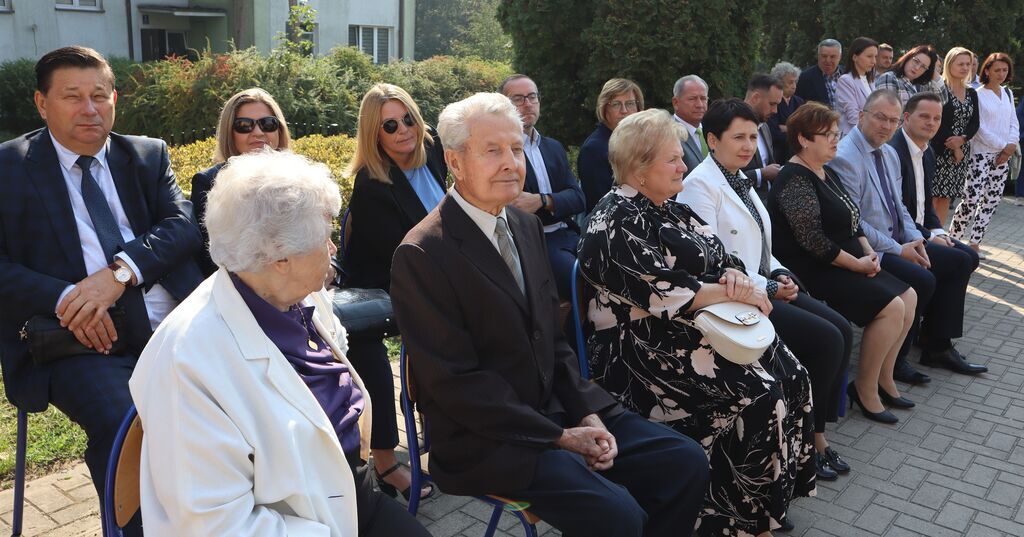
677,88
453,123
784,69
267,206
830,43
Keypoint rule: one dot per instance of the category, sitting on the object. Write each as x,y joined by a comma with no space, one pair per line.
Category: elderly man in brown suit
507,411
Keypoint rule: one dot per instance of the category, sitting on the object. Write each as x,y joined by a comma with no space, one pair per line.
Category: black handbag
48,340
365,312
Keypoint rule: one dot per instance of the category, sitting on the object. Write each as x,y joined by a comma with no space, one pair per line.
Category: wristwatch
122,274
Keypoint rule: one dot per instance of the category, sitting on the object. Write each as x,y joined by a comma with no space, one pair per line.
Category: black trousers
92,390
655,488
562,245
941,292
370,359
822,340
380,515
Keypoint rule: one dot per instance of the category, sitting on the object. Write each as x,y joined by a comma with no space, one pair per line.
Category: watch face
123,275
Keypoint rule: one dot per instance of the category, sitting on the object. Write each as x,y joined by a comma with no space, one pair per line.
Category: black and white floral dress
959,118
646,264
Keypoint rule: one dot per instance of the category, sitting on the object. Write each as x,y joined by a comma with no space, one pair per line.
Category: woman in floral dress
960,122
652,263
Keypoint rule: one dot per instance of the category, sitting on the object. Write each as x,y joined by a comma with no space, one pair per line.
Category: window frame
75,5
357,30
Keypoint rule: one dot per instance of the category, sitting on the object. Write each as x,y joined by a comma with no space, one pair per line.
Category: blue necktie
894,214
112,242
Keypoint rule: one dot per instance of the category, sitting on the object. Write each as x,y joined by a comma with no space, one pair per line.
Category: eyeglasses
391,125
891,121
518,100
629,106
831,136
919,63
245,125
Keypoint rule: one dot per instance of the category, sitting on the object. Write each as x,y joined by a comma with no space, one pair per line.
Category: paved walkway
953,466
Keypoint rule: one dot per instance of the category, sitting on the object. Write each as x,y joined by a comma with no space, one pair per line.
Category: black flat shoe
904,372
895,402
951,359
824,471
834,460
881,417
787,526
390,490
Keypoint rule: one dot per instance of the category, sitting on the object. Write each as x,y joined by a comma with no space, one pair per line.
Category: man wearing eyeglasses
551,190
96,247
872,174
764,93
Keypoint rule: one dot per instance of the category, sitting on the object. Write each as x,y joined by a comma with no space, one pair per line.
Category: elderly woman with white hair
653,263
788,74
255,422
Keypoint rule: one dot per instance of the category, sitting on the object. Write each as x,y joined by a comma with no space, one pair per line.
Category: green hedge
178,95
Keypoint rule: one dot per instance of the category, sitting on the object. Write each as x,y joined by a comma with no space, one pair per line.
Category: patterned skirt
950,176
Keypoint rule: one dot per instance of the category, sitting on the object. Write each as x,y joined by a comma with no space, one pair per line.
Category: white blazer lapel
731,195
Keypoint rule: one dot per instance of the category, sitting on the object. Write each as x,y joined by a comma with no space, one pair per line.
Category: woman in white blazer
255,422
856,84
719,192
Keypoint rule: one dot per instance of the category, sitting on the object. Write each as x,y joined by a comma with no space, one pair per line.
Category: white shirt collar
68,158
692,130
915,151
483,219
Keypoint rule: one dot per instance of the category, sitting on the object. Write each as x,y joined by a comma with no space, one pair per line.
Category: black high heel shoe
895,402
391,490
882,417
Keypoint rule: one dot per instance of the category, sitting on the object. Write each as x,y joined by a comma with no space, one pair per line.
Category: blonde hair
951,56
615,87
635,142
226,142
369,153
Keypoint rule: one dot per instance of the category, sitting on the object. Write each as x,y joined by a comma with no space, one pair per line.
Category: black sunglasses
245,125
391,125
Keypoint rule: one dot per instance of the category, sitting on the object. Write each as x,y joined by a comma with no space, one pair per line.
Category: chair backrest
346,232
122,499
579,310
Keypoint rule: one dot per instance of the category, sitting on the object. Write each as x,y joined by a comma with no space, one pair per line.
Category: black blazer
41,254
592,164
949,115
931,220
202,182
565,189
489,365
811,85
756,163
381,216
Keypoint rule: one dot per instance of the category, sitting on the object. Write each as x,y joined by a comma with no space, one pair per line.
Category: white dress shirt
533,154
486,221
158,301
762,151
998,122
917,162
691,130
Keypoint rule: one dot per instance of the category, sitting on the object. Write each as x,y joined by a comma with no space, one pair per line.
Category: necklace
305,326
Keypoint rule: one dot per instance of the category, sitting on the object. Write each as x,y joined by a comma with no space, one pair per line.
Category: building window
5,5
373,40
92,5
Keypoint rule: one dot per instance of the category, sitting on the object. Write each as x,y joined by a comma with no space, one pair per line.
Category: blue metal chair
418,448
19,474
121,494
579,306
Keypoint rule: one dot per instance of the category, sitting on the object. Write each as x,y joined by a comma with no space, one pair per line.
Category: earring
643,182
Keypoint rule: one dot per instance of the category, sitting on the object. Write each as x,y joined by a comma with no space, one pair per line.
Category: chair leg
493,524
19,474
529,529
842,396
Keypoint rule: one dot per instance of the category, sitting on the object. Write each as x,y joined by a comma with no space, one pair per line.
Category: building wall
36,27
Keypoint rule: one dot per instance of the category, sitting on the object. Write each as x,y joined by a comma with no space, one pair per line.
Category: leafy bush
442,80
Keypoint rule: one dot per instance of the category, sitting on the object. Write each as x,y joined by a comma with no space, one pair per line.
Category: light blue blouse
426,187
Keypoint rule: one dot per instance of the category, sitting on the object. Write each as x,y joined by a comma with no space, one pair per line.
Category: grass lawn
53,441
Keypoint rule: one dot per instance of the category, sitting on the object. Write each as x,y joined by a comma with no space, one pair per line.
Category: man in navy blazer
818,82
88,220
551,191
871,171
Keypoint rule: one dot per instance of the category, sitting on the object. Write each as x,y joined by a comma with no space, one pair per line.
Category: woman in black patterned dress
960,122
653,262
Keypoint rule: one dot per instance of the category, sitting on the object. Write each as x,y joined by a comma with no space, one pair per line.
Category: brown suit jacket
489,365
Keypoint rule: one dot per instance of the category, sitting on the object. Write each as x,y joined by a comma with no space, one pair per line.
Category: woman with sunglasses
250,121
400,175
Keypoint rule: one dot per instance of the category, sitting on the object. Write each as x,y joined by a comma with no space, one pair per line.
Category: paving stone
955,517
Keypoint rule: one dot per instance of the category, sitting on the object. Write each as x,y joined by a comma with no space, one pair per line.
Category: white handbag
737,331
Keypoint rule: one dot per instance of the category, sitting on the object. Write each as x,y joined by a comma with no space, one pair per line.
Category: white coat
707,192
235,443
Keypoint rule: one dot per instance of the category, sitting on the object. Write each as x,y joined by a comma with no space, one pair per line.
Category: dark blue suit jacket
811,85
41,254
565,189
592,164
931,220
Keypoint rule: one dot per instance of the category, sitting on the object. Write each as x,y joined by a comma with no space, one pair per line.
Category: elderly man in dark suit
507,411
922,116
818,82
551,191
89,220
